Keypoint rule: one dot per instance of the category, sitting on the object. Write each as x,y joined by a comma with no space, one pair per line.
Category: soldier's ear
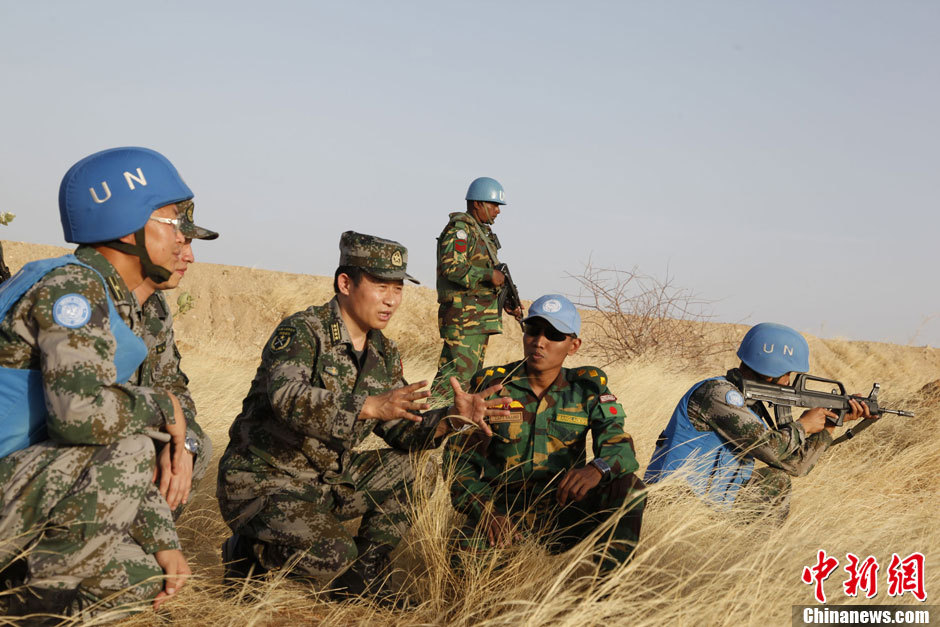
344,283
575,345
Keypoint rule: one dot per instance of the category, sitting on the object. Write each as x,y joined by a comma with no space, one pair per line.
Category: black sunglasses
551,333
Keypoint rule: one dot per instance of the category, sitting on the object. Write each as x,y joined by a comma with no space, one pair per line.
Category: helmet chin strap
157,274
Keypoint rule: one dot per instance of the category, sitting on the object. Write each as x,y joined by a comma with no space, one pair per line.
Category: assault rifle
509,294
800,395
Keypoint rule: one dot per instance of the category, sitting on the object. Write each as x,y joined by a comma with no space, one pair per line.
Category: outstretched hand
476,408
396,404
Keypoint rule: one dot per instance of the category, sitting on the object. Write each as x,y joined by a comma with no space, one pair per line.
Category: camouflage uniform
750,432
290,474
161,369
516,472
469,303
71,498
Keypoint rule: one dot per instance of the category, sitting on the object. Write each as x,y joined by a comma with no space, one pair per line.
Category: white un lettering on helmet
129,178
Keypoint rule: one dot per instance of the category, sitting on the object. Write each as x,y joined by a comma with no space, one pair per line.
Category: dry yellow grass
875,495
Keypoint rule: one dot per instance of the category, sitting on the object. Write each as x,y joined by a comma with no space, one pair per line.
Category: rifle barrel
898,412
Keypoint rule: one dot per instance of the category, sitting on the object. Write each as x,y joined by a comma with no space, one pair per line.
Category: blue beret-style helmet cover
486,190
774,350
558,311
112,193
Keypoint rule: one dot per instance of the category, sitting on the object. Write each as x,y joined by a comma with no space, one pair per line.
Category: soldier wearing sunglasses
532,474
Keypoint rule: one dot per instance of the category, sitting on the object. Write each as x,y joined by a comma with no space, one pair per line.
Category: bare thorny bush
637,315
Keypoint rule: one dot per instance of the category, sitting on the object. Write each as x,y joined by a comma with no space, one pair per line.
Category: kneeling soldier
531,474
328,378
715,435
76,467
162,369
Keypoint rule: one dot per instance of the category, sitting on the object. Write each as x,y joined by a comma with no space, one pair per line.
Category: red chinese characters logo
907,575
819,573
864,576
903,575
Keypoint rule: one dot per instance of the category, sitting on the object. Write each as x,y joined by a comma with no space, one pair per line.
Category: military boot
369,576
238,560
42,606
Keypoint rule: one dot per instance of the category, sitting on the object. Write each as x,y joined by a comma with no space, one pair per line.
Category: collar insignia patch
116,288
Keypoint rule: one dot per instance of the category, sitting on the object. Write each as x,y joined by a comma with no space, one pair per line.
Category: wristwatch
603,466
461,425
191,444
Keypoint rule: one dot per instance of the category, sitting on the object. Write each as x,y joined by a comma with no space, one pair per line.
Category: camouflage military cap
187,227
381,258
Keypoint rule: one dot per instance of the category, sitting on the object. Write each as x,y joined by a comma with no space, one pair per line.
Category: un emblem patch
71,311
733,397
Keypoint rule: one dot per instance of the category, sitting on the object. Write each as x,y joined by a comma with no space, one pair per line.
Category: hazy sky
779,158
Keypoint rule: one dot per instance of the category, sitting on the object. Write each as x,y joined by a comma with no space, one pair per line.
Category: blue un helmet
112,193
773,350
486,189
558,311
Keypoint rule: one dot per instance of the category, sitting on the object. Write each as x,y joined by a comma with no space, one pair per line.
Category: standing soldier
162,369
532,473
468,284
75,465
292,472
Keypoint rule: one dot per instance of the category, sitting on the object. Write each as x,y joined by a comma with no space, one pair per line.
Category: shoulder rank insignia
282,338
592,374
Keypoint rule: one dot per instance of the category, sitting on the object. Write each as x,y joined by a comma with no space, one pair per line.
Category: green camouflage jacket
162,370
785,446
540,440
85,404
300,418
468,301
